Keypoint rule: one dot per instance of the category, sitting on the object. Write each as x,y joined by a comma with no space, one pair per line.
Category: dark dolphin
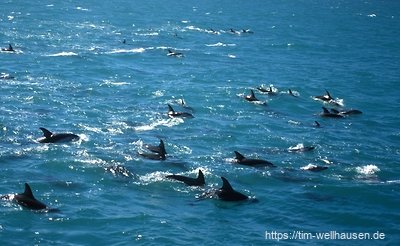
27,200
173,114
9,49
158,152
269,91
301,149
227,193
173,53
252,162
291,93
251,97
326,98
50,137
158,148
327,113
351,111
317,124
199,181
314,168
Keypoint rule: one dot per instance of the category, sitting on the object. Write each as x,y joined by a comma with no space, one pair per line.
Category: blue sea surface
101,70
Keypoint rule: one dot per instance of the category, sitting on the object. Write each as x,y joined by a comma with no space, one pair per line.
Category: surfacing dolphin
199,181
227,193
158,152
50,137
251,97
327,113
252,162
173,114
174,53
325,98
27,200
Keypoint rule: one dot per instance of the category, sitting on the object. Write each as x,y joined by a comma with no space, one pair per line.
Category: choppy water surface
72,72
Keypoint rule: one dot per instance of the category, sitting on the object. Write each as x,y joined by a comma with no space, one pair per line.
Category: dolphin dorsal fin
252,94
239,156
162,147
170,109
326,111
46,132
328,94
200,176
28,191
226,185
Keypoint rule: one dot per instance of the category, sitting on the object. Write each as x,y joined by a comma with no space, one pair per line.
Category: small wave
231,56
219,44
367,170
64,53
114,83
163,122
117,51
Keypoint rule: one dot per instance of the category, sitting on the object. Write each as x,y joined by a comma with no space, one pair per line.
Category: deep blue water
73,73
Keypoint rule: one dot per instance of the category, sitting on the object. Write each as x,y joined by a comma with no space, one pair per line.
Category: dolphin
27,200
317,124
346,112
199,181
252,162
269,91
227,193
157,149
173,53
6,76
159,152
251,97
314,168
173,114
9,49
326,98
291,93
333,114
50,137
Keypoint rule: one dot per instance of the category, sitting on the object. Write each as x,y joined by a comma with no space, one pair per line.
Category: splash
64,53
367,170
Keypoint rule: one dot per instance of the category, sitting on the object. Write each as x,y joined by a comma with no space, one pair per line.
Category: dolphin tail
46,132
239,156
226,185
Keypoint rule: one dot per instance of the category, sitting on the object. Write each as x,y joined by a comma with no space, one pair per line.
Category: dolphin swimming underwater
227,193
199,181
50,137
251,162
172,114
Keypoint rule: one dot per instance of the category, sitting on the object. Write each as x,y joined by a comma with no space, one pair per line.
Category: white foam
367,170
163,122
117,51
64,53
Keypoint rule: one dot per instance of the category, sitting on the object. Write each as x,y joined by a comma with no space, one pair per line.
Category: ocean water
73,73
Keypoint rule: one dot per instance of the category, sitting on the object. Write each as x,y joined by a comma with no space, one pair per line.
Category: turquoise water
73,73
